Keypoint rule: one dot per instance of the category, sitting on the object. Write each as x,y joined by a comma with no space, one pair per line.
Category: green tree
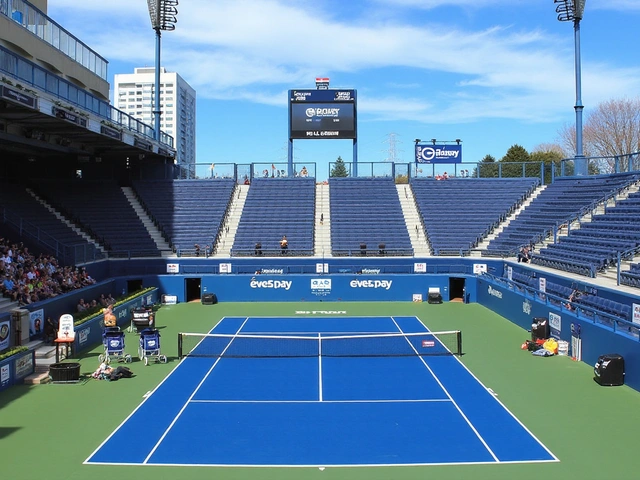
514,160
488,167
549,158
339,169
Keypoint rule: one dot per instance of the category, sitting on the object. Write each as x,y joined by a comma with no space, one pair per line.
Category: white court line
319,367
501,404
173,422
145,398
423,400
457,407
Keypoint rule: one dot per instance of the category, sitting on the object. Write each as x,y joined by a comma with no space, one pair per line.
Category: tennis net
274,345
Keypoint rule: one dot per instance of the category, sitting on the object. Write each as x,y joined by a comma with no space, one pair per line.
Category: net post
179,345
459,335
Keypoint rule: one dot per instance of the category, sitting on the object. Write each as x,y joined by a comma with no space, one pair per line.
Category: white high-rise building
134,93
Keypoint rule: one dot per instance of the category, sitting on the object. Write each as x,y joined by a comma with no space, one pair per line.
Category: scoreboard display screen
322,114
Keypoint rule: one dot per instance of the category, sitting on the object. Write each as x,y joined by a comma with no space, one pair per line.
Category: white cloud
257,49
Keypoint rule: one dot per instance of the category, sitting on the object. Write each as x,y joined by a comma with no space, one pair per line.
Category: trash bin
64,372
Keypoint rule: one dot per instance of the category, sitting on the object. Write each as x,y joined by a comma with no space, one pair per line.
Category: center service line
319,367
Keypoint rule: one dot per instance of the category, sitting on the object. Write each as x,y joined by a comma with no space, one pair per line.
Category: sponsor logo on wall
24,366
320,286
386,284
83,335
555,324
4,374
275,284
526,307
494,293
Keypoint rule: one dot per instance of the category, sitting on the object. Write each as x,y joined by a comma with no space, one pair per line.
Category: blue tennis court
347,391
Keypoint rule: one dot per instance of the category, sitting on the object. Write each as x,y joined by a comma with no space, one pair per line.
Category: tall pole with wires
573,11
163,14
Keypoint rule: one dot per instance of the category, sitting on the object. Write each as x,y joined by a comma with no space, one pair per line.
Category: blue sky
492,73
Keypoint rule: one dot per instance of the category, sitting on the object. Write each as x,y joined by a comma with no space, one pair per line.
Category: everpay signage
438,153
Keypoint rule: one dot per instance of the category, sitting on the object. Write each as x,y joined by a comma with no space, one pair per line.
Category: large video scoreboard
322,114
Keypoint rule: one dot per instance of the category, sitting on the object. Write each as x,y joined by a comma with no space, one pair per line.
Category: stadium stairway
156,235
477,252
64,220
418,239
322,240
45,357
230,225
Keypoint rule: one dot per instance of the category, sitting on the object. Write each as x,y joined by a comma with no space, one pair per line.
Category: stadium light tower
572,11
163,15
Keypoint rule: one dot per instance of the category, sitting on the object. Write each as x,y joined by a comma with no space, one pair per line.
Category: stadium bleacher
560,203
458,213
108,218
277,207
367,218
187,212
595,246
35,221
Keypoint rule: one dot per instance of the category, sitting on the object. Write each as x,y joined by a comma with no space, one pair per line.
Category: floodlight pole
573,10
157,111
163,17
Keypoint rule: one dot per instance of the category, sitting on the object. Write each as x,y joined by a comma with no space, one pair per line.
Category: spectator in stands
258,249
49,331
197,249
246,180
82,306
572,298
303,172
9,288
445,176
524,255
284,245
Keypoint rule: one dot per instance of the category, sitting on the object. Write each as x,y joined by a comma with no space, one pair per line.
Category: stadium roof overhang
27,133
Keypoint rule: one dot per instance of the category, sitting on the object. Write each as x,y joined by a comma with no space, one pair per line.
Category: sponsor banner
142,144
321,286
510,272
36,323
438,153
479,268
5,330
5,375
23,366
173,268
542,284
111,132
417,297
635,316
225,268
420,267
83,335
555,324
16,96
68,116
322,268
169,299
